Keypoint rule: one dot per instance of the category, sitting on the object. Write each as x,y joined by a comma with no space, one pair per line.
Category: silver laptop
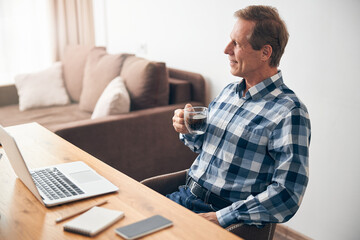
55,184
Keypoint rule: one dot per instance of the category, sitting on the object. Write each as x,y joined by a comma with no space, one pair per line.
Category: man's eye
236,44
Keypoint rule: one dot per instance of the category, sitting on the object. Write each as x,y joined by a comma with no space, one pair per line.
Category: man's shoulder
232,85
286,98
231,88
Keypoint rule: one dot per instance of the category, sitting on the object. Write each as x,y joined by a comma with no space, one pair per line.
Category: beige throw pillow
100,69
114,100
74,60
41,89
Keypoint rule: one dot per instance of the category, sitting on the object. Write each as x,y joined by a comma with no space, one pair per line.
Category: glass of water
196,119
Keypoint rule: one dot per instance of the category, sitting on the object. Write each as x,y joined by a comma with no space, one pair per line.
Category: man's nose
228,49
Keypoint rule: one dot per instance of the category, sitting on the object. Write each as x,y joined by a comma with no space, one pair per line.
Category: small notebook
93,221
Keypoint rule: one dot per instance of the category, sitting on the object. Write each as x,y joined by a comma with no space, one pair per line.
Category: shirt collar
261,89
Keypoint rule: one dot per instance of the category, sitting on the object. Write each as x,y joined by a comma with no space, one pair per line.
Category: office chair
168,183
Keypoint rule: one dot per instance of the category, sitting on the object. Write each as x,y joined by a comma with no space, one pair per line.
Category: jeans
185,198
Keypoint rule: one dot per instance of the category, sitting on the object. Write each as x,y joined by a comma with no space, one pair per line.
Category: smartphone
143,227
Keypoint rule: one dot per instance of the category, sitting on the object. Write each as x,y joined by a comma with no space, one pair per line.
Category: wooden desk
24,217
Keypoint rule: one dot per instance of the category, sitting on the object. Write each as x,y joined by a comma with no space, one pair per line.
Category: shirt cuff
189,137
226,216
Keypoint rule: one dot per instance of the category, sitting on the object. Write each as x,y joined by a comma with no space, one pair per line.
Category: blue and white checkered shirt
254,152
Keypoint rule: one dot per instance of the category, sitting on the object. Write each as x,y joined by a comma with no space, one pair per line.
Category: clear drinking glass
196,119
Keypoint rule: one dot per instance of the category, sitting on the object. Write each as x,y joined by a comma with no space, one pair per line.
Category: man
252,166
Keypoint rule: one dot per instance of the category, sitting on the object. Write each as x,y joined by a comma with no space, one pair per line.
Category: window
25,37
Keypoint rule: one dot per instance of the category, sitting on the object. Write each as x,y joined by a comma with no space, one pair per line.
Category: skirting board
283,232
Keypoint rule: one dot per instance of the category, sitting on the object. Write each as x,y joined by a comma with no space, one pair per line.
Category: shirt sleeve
194,142
289,147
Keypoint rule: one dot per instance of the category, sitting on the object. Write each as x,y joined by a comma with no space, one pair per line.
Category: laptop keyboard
54,184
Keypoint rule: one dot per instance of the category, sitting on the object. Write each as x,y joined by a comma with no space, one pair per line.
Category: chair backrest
169,183
249,232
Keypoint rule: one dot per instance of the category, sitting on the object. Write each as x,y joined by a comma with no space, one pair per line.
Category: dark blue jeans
185,198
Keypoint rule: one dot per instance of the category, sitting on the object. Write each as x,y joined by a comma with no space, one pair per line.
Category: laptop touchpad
85,176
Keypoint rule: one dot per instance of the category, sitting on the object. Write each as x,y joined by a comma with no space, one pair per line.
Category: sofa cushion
114,100
49,117
74,60
100,69
146,81
41,89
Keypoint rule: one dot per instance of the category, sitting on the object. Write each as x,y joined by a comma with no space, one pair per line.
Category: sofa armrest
180,91
140,144
8,95
197,83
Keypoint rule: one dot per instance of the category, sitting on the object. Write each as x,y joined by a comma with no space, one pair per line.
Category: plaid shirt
254,152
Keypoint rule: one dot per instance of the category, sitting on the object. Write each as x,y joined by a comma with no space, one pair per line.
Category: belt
206,195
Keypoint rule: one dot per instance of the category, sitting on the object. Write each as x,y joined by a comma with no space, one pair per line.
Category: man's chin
236,73
233,71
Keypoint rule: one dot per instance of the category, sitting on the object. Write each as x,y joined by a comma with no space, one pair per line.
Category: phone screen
143,227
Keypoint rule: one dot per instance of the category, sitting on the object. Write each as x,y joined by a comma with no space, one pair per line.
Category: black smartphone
143,227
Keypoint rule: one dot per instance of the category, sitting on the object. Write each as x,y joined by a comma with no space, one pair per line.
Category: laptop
57,184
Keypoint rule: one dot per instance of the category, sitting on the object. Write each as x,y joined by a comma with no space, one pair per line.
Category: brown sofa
140,143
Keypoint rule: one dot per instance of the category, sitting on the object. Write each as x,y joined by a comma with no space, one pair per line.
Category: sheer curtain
26,42
73,24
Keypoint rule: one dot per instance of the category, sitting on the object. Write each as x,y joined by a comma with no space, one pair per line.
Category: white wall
321,64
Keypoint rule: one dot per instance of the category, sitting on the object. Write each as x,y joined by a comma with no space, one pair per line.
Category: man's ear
266,52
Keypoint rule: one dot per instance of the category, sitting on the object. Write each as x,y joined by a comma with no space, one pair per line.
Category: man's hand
211,216
179,121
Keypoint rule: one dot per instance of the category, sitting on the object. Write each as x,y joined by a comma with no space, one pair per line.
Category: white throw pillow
41,89
114,100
